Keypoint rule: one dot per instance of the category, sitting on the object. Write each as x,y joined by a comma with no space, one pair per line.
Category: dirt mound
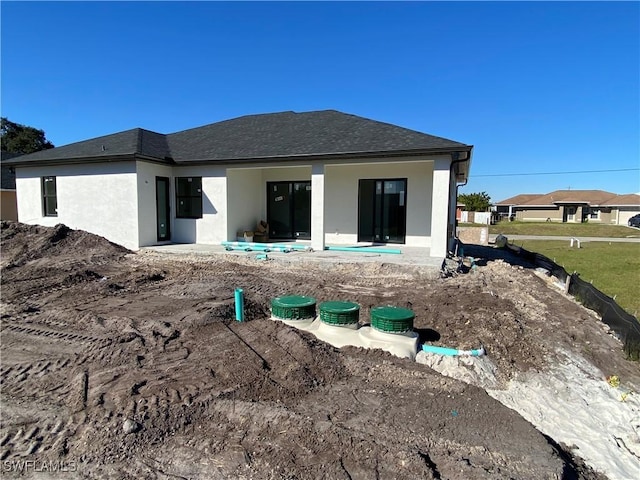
23,243
132,366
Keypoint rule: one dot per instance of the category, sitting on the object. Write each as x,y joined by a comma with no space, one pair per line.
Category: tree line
17,138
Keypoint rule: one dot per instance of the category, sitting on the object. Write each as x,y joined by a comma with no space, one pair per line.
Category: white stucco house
324,176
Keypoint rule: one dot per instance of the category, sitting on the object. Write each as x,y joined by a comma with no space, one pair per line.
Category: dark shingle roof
7,175
273,135
136,141
290,134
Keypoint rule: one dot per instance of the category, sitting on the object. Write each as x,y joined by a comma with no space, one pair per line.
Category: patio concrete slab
416,256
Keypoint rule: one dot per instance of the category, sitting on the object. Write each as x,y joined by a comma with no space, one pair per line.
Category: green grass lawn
613,268
564,229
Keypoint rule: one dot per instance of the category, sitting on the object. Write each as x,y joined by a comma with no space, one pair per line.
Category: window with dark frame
49,197
188,197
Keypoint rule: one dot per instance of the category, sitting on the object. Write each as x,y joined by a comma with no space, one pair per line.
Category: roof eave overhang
332,156
80,160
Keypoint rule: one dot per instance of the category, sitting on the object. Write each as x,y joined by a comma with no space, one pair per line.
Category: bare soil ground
122,365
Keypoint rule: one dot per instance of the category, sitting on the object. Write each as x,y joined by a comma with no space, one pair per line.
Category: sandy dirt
123,365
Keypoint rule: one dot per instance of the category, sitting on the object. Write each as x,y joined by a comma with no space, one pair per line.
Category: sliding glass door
289,210
382,210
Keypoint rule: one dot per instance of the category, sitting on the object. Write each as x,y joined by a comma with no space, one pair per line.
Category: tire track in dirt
50,333
40,438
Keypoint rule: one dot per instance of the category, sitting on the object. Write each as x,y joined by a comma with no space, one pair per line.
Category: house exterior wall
211,229
442,223
118,200
8,205
341,199
607,216
100,198
539,214
146,187
245,200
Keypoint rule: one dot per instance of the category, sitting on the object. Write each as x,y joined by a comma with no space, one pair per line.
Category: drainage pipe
256,245
453,352
364,249
249,248
239,305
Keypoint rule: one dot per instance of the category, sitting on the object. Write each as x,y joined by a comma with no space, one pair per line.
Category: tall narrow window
49,199
188,197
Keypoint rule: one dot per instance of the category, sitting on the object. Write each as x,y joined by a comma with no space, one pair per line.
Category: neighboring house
505,208
324,176
8,203
572,206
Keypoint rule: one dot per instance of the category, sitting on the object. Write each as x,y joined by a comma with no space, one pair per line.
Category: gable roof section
520,199
290,134
252,137
130,143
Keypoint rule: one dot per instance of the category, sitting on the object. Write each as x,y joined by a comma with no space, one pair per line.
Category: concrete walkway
492,238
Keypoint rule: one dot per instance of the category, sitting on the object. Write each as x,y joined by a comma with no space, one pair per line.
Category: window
594,213
49,199
188,197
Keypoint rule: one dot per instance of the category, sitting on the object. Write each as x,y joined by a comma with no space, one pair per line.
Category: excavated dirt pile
124,365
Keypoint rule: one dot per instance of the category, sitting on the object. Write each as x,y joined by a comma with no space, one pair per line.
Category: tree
16,138
475,202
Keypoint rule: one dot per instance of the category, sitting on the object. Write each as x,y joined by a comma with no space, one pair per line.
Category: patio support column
440,207
317,206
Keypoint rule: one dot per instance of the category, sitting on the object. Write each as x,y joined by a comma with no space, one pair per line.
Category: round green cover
392,319
339,313
293,307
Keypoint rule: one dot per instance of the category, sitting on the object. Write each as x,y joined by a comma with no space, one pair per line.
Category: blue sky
536,87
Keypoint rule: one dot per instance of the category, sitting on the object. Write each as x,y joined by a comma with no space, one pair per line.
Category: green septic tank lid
392,319
339,313
293,307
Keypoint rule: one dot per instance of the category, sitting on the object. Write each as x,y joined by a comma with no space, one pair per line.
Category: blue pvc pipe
364,249
239,305
271,246
453,352
274,247
250,248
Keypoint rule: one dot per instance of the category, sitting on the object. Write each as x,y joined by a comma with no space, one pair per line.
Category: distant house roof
628,200
251,137
569,197
590,197
7,173
519,199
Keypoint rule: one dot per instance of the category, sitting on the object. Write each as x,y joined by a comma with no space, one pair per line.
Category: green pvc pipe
239,296
364,249
453,352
